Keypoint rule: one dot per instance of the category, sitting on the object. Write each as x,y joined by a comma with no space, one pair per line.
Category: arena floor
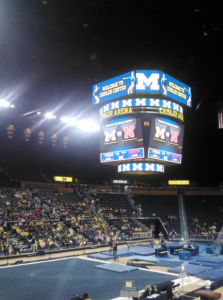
59,279
60,275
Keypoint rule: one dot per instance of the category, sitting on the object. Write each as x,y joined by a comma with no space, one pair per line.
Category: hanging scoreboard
142,114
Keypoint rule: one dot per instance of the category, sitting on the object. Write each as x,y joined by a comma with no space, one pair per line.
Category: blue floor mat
120,251
169,263
213,275
145,258
100,256
203,263
192,270
213,259
140,250
116,268
145,252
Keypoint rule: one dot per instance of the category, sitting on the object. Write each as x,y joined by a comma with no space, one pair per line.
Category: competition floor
59,278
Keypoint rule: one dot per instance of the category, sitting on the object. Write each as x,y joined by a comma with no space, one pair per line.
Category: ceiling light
4,103
50,115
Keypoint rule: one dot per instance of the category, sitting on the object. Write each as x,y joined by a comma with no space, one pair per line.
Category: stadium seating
163,206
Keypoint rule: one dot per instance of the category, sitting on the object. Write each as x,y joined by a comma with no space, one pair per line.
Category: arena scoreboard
142,116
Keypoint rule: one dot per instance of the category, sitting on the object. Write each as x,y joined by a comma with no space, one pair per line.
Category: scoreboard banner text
142,82
141,105
141,167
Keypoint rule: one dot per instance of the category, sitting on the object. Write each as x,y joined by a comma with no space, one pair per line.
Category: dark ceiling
53,51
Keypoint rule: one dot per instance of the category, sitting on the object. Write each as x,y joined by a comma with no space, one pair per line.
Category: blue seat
209,250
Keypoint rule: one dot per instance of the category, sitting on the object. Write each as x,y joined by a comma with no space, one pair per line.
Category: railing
146,234
56,215
198,237
29,193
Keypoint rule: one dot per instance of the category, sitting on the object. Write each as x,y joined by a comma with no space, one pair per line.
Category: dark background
53,51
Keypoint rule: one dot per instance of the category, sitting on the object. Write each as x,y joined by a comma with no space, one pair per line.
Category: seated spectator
161,235
155,289
86,297
190,246
147,292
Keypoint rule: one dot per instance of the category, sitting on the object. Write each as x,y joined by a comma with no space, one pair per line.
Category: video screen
166,140
121,139
113,88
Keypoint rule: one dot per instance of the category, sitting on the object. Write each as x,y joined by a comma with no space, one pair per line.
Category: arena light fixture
4,103
49,115
88,125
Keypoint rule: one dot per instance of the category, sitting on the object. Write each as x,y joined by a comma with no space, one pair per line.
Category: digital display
163,84
63,179
164,155
142,82
120,181
114,88
130,106
178,182
121,139
175,89
166,140
141,167
122,155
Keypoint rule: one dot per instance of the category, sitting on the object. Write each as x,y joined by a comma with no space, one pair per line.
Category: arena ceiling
53,51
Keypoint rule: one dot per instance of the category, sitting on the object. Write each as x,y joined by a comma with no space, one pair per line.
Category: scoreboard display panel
138,82
121,139
166,140
116,87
